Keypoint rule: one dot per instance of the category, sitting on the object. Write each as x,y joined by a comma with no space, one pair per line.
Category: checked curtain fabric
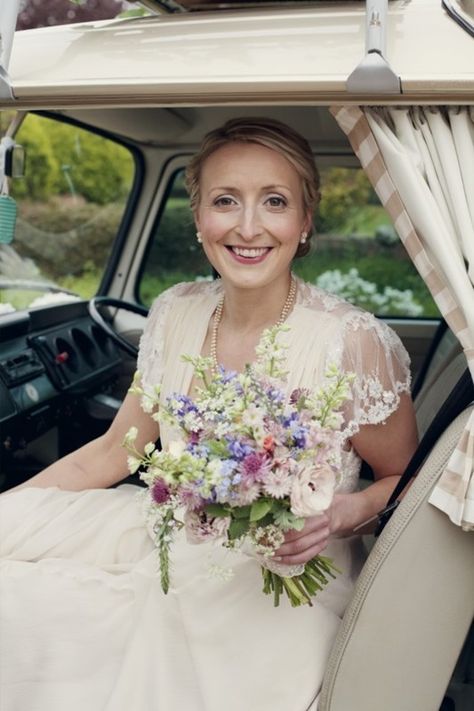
420,161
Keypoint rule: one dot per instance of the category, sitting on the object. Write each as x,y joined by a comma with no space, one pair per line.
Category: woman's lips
249,255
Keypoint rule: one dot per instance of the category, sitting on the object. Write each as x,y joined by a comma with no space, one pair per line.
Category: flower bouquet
249,463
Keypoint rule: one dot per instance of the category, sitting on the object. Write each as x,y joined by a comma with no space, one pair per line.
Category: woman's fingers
312,524
303,548
303,556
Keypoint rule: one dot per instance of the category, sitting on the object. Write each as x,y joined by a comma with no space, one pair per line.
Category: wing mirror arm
374,73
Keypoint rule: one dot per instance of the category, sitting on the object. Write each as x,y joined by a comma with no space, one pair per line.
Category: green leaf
241,512
287,520
260,509
238,528
215,510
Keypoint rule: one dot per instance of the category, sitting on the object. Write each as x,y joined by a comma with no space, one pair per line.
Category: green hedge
62,159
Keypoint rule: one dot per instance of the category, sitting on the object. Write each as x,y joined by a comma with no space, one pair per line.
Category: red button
62,357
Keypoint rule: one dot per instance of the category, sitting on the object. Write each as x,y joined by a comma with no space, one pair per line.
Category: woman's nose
249,224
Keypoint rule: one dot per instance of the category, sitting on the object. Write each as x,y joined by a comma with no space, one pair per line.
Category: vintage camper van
98,121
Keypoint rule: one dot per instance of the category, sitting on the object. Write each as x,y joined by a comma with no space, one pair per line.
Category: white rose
312,489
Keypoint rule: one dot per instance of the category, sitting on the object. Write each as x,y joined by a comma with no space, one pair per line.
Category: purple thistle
253,466
160,492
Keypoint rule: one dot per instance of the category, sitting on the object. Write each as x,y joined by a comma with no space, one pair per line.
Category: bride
84,623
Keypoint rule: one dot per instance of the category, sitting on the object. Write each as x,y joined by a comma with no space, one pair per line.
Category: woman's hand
302,546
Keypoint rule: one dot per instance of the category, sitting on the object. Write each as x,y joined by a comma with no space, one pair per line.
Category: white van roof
268,54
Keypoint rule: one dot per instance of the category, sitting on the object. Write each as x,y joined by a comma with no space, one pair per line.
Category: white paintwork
248,56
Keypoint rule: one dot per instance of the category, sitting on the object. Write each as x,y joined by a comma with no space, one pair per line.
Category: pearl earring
303,237
199,237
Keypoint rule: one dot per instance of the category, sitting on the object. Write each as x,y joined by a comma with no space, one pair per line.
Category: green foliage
175,254
42,167
62,159
65,237
90,165
383,266
344,192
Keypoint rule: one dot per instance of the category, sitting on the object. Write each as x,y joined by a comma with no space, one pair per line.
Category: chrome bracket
374,75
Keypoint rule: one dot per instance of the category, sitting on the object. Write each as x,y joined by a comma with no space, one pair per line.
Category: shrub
41,168
174,246
64,236
344,190
62,159
351,286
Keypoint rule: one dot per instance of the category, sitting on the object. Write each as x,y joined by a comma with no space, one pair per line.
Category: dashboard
54,361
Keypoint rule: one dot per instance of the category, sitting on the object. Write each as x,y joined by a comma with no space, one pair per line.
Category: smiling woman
79,577
252,211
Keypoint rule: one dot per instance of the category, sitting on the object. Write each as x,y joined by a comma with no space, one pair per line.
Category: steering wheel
99,302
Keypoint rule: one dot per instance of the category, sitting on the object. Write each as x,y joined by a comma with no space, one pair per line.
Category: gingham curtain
420,161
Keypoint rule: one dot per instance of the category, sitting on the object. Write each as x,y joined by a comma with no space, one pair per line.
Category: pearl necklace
218,316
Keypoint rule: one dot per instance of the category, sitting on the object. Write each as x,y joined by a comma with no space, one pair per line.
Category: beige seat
412,607
435,392
446,367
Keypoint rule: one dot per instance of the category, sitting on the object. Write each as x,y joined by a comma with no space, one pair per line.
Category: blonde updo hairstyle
271,134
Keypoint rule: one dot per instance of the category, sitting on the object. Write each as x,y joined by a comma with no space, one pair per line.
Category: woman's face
250,214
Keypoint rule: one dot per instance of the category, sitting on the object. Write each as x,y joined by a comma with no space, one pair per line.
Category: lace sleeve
377,357
151,350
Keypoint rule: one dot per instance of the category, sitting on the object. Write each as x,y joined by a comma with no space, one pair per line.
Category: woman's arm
103,461
387,448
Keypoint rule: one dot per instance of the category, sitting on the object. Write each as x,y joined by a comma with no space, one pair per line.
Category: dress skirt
84,623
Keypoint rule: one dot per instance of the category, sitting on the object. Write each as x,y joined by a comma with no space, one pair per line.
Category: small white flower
130,437
133,464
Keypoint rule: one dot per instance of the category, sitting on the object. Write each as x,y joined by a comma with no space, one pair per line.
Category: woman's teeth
249,253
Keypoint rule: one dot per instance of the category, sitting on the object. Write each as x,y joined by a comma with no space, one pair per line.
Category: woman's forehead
250,161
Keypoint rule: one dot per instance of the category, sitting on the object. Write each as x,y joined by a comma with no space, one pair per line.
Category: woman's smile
248,255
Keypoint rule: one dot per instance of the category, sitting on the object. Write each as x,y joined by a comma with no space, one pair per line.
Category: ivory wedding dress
84,623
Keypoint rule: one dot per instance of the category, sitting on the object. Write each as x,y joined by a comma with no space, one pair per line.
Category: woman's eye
276,201
224,201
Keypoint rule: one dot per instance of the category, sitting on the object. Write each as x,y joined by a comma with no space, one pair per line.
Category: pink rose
312,489
201,528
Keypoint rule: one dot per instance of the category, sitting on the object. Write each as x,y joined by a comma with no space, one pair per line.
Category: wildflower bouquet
249,464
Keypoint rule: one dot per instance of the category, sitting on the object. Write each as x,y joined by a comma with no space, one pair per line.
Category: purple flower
238,450
298,394
160,492
227,376
198,450
254,466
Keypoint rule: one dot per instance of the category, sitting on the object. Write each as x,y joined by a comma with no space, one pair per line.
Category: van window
70,205
355,251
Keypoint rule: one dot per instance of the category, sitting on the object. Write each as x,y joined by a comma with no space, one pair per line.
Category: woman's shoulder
316,299
354,324
185,290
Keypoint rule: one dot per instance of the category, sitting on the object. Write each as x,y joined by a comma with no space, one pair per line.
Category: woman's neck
251,309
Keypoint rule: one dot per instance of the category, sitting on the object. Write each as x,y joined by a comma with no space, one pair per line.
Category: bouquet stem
300,588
